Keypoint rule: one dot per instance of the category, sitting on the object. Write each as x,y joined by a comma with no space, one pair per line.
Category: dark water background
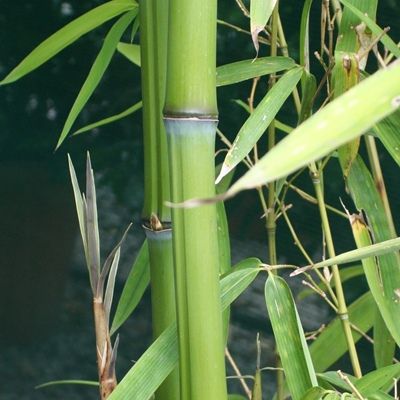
45,314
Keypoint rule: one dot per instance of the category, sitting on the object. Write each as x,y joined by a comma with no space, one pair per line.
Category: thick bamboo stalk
190,115
162,297
156,215
202,369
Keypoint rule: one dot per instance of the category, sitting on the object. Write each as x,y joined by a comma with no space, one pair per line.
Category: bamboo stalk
342,307
190,116
156,215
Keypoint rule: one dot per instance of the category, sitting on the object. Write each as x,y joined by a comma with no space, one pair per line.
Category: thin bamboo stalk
190,116
342,307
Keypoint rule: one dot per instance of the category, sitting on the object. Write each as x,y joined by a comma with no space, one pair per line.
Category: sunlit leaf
260,13
344,119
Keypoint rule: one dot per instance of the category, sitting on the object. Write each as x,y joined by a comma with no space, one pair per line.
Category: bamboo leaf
68,35
380,379
130,51
161,357
260,119
260,13
80,207
242,70
384,344
289,336
382,278
344,119
109,261
315,393
109,120
236,397
388,132
304,36
361,314
378,249
375,29
97,71
108,297
135,285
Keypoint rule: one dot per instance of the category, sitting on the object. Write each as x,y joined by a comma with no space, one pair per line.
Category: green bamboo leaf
344,119
260,13
304,36
309,88
383,278
67,382
97,70
384,344
375,29
236,397
388,132
380,379
130,51
346,274
135,285
111,119
260,119
68,35
378,249
361,314
161,357
315,393
242,70
333,378
289,336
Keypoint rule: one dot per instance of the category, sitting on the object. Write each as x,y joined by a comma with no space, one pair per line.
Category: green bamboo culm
156,215
190,115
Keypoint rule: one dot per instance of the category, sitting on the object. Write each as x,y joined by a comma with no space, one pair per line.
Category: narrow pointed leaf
143,379
289,336
130,51
375,29
304,36
382,278
388,132
260,13
92,227
243,70
380,379
344,119
384,344
80,206
108,297
67,35
378,249
97,71
361,314
109,261
135,285
137,106
260,119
